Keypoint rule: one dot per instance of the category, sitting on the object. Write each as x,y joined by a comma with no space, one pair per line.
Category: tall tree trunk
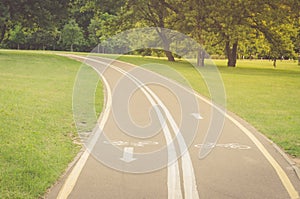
166,44
274,62
71,47
200,57
169,55
299,59
3,30
231,53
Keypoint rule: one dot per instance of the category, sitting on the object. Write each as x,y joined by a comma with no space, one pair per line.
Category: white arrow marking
197,116
128,155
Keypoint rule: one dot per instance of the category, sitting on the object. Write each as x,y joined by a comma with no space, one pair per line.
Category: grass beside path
267,98
37,128
36,121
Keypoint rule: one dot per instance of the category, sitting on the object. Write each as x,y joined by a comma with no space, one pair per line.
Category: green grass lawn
267,98
37,130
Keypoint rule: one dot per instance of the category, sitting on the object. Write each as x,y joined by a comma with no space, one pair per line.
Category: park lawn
267,98
37,130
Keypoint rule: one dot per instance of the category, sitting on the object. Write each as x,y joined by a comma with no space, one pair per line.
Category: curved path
123,162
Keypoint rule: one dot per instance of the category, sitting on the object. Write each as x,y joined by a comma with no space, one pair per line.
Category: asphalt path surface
149,139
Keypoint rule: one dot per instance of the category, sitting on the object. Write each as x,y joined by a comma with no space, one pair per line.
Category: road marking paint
197,116
280,172
144,143
136,144
128,155
73,176
174,187
228,146
190,185
116,143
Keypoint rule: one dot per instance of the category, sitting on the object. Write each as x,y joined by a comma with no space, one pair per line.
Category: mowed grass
267,98
37,131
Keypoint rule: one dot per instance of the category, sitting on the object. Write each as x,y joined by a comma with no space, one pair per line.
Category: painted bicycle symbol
228,146
136,144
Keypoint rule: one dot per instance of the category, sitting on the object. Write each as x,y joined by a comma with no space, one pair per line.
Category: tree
4,18
193,15
278,33
226,21
232,20
43,38
101,27
17,35
295,14
31,15
159,14
72,34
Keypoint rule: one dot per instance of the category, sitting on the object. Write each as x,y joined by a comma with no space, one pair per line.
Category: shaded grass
267,98
36,122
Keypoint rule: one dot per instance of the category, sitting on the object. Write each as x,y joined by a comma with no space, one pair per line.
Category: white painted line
280,172
228,146
197,116
135,144
128,155
174,187
189,180
116,143
190,185
143,143
73,177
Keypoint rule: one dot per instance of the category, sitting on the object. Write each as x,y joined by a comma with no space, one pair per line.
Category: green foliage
259,28
4,18
101,27
243,28
32,16
17,35
72,34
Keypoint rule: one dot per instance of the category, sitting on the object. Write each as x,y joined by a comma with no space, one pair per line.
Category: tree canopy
225,28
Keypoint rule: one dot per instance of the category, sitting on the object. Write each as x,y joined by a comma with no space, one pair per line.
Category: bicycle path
166,161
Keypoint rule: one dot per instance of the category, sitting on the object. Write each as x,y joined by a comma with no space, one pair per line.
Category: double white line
174,187
174,181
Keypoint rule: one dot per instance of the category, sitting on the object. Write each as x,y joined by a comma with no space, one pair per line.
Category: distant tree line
226,28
